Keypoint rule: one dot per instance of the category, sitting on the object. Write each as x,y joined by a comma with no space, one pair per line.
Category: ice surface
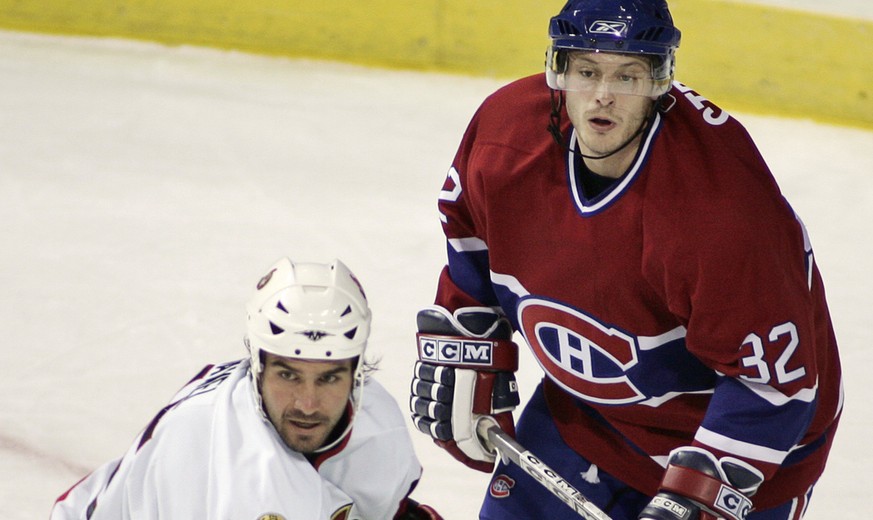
144,189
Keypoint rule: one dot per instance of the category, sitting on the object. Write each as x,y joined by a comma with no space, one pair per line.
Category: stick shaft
510,449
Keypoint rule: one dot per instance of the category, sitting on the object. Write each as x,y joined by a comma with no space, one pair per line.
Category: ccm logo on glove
454,351
730,501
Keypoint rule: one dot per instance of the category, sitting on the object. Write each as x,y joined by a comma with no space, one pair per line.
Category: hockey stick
494,438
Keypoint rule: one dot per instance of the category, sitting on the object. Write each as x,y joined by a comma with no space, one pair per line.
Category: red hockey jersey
681,306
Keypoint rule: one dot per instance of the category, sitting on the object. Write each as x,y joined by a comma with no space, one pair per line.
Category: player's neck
615,165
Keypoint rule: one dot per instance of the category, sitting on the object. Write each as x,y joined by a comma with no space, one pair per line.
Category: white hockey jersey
211,454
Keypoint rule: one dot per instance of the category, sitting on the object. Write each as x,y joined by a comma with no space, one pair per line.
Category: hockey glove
465,370
412,510
697,486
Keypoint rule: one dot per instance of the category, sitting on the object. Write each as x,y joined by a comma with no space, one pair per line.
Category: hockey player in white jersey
295,431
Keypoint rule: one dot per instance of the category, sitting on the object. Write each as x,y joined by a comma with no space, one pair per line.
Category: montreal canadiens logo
501,486
588,358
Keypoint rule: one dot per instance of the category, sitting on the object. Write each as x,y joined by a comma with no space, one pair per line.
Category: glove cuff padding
667,506
718,486
470,322
475,354
476,338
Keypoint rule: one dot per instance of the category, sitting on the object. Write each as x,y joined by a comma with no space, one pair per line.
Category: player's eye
330,379
288,375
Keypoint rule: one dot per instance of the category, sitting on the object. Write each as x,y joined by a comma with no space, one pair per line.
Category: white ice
144,189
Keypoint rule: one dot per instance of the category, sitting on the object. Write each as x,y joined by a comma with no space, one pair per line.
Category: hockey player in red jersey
630,232
282,434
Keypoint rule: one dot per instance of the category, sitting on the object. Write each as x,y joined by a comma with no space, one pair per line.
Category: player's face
613,105
305,399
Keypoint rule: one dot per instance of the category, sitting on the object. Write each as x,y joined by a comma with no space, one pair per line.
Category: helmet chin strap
555,129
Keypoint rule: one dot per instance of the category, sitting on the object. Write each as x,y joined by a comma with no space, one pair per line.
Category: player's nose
604,93
306,400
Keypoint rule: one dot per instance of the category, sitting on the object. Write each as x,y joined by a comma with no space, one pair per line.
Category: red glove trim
709,491
691,483
454,451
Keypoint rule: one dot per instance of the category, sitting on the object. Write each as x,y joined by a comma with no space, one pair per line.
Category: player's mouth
601,124
301,425
305,423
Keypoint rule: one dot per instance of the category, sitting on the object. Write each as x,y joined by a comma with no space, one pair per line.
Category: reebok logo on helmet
613,27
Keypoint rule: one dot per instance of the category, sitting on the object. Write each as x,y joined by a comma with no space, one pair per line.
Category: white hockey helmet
308,311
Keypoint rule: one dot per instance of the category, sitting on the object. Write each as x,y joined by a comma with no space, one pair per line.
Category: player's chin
305,441
599,144
303,445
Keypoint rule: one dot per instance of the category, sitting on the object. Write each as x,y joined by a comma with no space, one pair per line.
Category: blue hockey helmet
643,27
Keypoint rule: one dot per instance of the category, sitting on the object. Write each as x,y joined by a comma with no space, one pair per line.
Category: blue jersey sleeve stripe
742,449
469,271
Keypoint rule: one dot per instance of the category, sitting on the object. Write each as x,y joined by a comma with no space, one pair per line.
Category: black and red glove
412,510
697,486
466,369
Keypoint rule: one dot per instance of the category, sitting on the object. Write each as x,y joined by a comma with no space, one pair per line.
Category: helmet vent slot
651,35
276,329
351,334
347,311
567,28
281,307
